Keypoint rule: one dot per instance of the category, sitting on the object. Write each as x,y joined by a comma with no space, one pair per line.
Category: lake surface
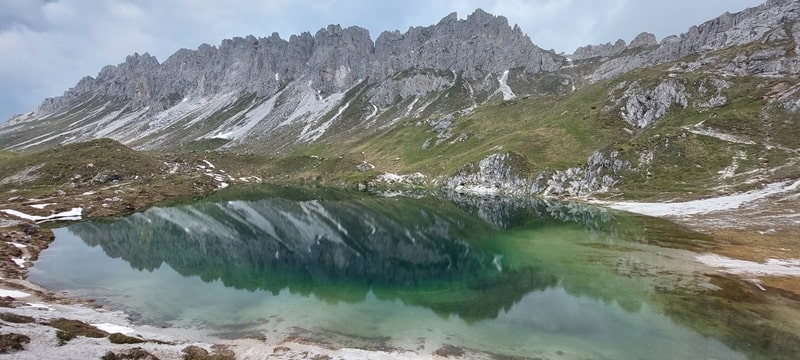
516,277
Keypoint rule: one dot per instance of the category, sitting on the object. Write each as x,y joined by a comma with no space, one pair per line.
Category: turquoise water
525,278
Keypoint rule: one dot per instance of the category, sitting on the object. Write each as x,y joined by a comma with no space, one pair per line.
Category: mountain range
468,103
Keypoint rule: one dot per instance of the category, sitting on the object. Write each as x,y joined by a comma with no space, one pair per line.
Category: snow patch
74,214
772,267
20,262
113,328
504,88
13,293
705,205
38,305
41,206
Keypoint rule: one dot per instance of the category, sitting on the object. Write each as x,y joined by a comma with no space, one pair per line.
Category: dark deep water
522,277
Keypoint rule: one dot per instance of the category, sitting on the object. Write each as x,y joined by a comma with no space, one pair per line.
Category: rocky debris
103,177
364,166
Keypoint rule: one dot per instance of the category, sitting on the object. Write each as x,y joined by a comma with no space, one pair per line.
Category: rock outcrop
602,50
507,173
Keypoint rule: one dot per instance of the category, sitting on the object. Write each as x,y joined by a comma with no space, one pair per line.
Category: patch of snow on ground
19,262
13,293
209,164
41,206
17,245
38,305
74,214
508,94
773,267
705,205
112,328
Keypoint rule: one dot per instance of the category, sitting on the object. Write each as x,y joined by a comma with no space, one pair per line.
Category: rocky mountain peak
642,40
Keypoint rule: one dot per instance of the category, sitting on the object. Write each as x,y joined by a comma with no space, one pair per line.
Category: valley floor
760,230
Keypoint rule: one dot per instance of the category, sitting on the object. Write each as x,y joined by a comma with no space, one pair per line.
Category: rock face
642,107
749,26
250,89
642,40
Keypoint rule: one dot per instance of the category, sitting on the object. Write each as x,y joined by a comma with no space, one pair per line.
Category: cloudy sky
46,46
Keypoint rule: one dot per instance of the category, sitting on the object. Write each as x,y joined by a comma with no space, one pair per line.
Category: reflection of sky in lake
405,269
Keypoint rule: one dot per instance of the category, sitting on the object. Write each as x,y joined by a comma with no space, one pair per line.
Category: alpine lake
504,277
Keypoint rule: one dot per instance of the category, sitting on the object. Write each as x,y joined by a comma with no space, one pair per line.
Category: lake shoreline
24,240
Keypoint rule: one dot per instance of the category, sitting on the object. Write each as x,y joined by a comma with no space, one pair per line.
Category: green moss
17,319
12,342
77,328
64,337
118,338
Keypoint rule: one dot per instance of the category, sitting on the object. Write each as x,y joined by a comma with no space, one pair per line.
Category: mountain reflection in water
497,272
314,245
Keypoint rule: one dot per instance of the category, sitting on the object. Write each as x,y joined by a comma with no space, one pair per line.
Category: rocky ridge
761,23
289,91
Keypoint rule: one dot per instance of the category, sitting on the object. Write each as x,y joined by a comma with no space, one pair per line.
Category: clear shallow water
525,278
